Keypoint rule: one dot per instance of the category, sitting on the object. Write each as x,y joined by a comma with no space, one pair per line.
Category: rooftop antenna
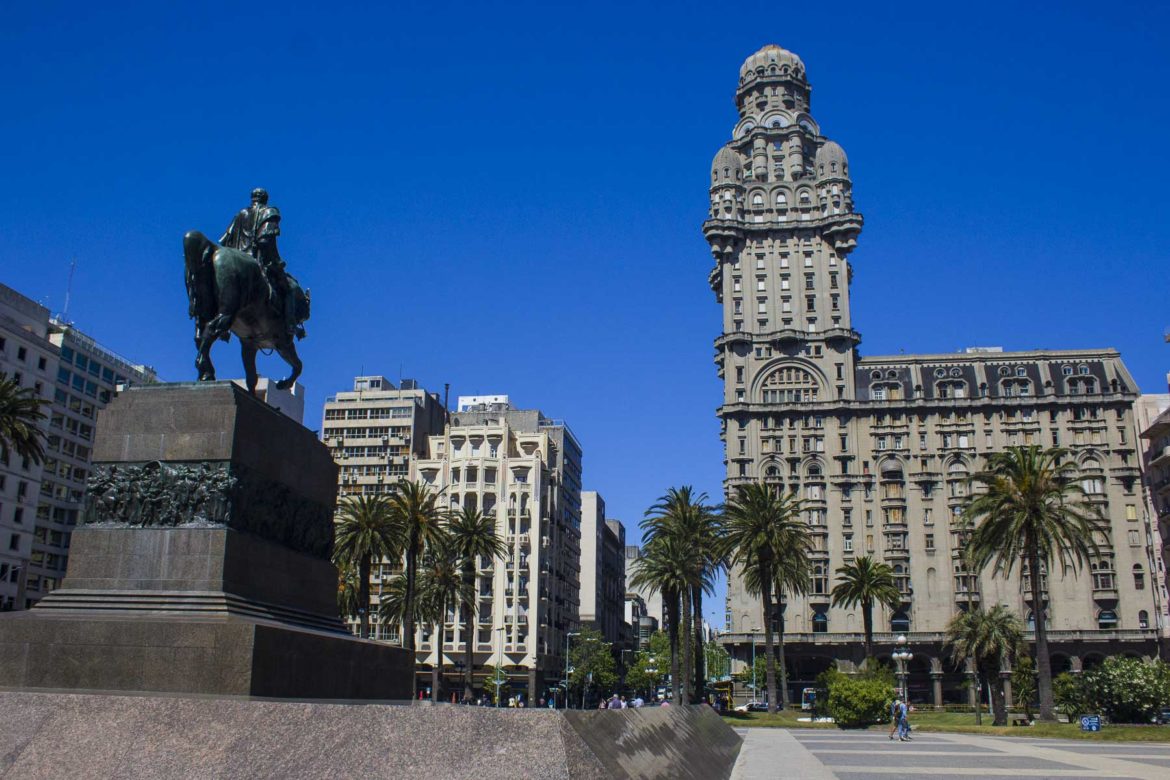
69,290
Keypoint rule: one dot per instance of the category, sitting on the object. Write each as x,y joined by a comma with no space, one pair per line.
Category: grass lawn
964,722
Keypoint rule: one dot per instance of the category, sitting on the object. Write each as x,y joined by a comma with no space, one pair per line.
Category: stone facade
880,447
1153,412
525,469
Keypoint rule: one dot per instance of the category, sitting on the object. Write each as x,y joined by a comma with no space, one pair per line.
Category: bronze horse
228,292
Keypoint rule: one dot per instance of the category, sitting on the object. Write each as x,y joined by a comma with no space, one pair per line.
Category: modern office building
28,357
40,505
375,432
603,571
525,470
880,447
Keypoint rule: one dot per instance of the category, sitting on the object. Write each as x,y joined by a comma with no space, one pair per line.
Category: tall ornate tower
781,227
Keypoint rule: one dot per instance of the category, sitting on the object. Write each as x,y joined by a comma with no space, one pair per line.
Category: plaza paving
846,755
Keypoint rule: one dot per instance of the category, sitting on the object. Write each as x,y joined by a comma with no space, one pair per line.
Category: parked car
753,706
1164,716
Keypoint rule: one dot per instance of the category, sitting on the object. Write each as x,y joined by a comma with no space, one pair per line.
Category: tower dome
831,160
726,167
772,60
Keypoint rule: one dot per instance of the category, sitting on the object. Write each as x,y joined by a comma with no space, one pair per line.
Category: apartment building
375,433
525,470
40,505
603,571
1153,422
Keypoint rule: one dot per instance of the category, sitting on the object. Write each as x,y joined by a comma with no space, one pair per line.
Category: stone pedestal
203,564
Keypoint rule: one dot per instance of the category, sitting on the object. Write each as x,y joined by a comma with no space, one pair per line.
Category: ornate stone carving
211,494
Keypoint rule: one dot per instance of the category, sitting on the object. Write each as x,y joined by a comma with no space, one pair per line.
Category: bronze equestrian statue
241,287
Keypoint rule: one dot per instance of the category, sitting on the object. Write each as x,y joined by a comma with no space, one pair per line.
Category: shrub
1128,690
1070,692
856,702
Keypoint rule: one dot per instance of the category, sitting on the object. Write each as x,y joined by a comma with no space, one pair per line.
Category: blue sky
508,197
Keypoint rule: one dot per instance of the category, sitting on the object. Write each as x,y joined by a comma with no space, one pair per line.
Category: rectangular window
1130,512
930,541
848,543
809,282
760,284
1134,537
762,307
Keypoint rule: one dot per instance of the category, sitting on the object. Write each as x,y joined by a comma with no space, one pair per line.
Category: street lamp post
568,669
902,656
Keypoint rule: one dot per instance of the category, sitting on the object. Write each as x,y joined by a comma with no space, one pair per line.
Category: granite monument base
203,564
69,735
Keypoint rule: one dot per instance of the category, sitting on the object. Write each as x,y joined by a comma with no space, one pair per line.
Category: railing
924,637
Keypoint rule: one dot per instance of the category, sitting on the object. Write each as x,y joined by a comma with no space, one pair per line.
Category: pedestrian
904,722
639,702
541,701
895,716
601,705
615,703
625,704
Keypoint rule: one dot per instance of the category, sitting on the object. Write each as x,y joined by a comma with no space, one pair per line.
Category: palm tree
866,582
790,577
686,517
662,568
1031,511
348,598
415,509
762,523
20,413
366,530
987,639
441,585
474,537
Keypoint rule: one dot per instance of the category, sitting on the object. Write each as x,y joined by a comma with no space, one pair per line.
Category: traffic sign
1090,723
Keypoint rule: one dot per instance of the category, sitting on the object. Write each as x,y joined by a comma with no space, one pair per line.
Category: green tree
474,536
591,662
492,675
717,660
348,591
663,567
442,587
416,511
866,582
1024,683
20,418
764,536
365,531
988,639
684,517
650,665
1031,511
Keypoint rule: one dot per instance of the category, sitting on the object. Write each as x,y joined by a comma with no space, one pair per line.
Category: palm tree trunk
437,643
784,697
998,703
769,655
469,611
1043,662
867,624
364,596
978,693
688,654
671,602
700,650
411,564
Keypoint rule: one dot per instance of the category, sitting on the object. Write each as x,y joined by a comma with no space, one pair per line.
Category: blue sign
1090,723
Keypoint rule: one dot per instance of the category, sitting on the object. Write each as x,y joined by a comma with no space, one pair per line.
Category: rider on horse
254,231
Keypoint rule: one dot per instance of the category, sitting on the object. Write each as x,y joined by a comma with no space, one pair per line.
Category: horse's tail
198,251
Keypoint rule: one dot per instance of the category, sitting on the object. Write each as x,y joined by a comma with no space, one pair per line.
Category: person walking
904,723
895,717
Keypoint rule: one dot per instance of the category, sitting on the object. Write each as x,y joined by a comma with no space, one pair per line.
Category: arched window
1106,620
1139,577
820,621
758,201
1143,619
790,384
900,622
951,388
781,200
1017,387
